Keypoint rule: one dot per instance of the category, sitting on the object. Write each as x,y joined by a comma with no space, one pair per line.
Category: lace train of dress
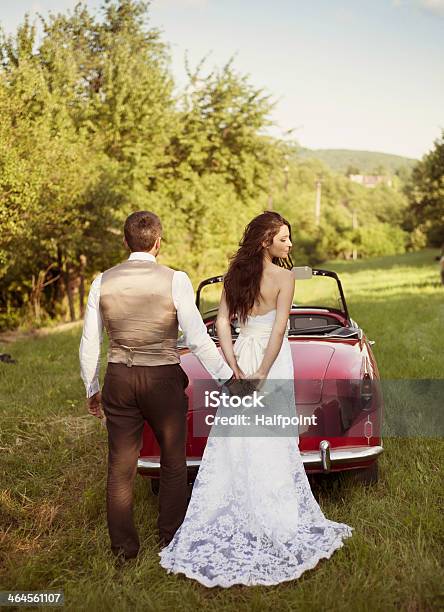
252,518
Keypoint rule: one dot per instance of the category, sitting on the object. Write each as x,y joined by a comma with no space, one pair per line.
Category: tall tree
93,130
426,194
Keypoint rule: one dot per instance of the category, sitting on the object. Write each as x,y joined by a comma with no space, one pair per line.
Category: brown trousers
130,396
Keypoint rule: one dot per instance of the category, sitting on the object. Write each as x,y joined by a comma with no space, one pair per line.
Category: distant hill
367,162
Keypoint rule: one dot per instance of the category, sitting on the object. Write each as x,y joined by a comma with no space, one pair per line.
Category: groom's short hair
142,228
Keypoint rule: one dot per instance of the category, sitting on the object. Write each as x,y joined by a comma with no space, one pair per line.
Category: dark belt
128,352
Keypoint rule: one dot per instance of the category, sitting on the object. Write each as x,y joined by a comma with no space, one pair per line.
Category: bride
252,518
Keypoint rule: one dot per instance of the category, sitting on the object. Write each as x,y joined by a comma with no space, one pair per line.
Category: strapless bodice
260,325
252,341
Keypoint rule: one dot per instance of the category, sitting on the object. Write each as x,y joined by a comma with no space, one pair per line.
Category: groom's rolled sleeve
195,332
89,351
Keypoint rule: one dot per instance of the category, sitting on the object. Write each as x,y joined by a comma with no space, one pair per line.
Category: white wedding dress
252,518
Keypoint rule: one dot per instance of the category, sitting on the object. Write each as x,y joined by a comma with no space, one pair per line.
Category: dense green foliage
94,128
352,216
426,194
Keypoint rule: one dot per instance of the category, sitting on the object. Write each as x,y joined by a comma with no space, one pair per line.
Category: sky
348,74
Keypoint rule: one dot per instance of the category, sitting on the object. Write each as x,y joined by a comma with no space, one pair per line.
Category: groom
141,305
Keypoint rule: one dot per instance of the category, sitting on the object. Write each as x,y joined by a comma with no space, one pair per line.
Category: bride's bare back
273,279
277,290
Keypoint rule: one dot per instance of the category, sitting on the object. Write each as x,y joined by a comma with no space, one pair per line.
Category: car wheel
366,476
155,485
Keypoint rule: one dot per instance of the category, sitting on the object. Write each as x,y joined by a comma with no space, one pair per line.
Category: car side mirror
302,272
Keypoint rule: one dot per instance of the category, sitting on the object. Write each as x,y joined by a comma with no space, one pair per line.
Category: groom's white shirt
190,322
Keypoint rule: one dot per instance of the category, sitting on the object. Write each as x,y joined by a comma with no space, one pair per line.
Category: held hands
235,386
258,375
94,404
258,379
238,374
243,385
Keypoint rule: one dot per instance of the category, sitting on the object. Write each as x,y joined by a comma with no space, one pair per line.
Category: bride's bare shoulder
282,275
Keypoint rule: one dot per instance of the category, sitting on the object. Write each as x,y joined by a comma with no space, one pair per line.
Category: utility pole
270,194
318,201
286,169
354,226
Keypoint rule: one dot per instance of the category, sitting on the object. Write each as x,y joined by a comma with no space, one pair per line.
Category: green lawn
53,470
399,302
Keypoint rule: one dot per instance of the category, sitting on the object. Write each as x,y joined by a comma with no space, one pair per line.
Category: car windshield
316,290
321,291
210,297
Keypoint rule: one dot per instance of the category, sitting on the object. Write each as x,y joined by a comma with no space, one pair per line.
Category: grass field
53,471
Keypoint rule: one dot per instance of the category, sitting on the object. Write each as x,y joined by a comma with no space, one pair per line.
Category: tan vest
138,312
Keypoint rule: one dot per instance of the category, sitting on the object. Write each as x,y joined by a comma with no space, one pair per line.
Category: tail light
366,391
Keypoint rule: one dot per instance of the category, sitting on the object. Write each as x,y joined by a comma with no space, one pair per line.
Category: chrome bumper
325,458
328,457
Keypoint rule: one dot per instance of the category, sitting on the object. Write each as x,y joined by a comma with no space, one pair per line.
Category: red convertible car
336,380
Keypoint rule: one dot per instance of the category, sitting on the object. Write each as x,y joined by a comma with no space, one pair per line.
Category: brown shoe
122,557
162,543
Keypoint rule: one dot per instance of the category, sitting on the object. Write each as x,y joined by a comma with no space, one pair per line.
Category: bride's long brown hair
243,278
